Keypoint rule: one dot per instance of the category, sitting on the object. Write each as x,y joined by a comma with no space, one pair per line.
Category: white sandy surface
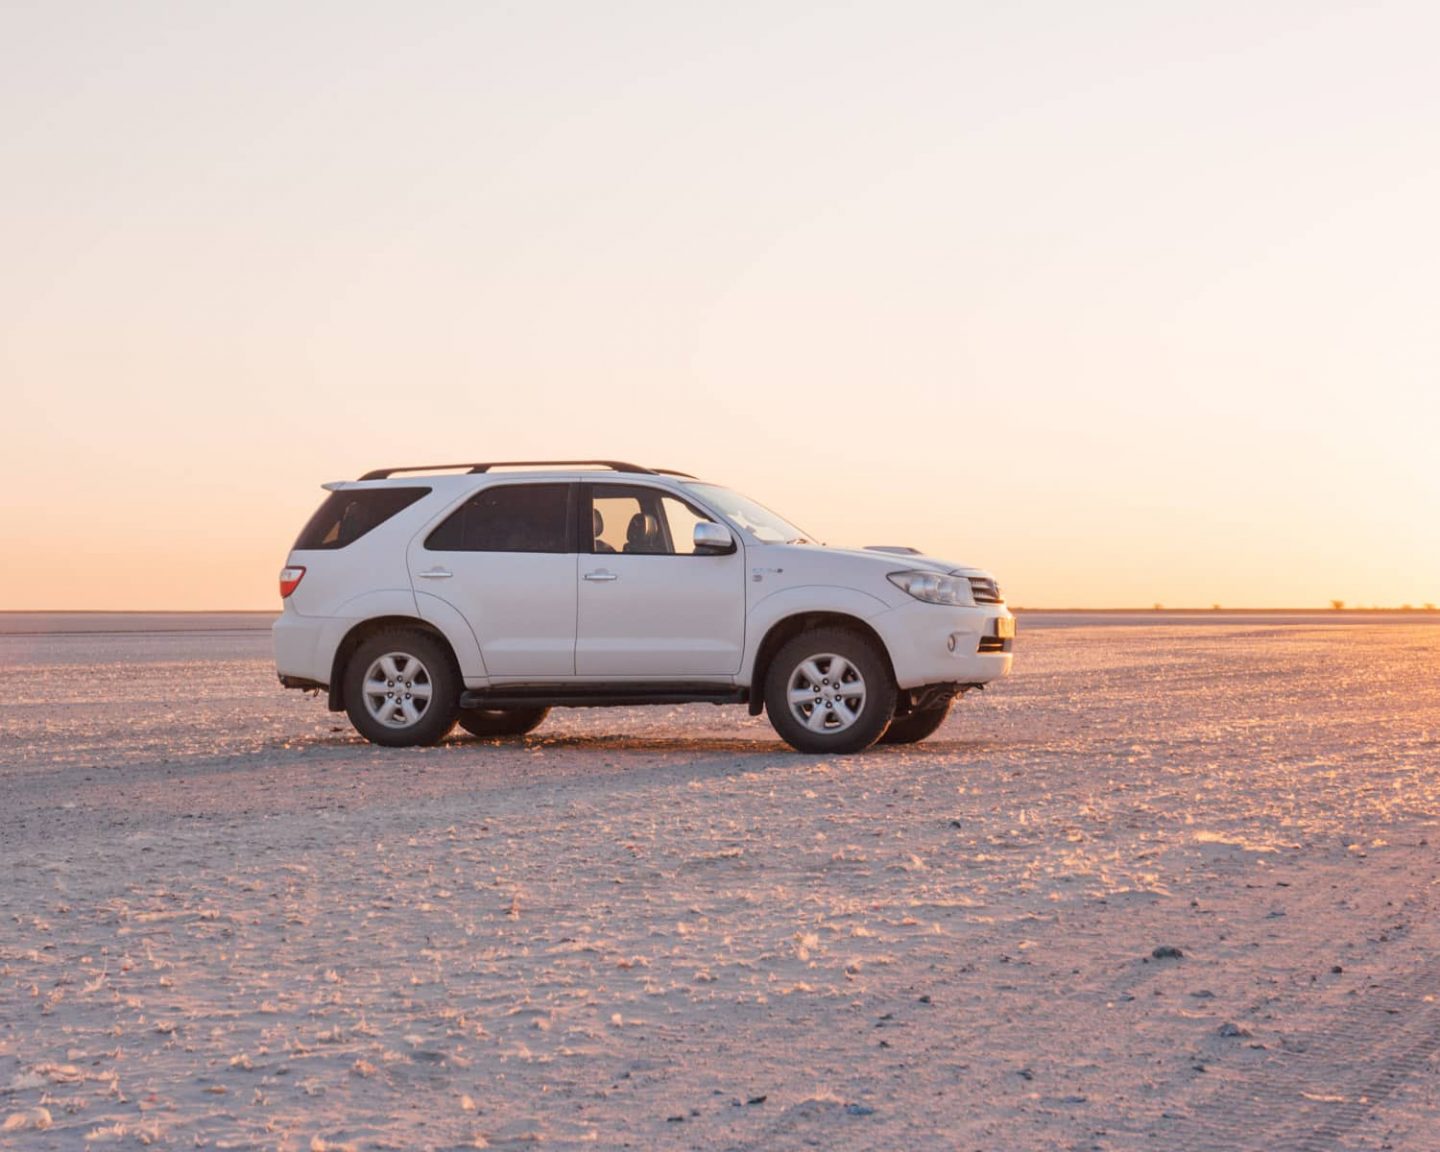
226,922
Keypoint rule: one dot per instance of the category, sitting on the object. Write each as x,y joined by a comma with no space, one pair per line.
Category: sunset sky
1126,302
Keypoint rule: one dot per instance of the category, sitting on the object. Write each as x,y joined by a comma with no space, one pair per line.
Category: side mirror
713,538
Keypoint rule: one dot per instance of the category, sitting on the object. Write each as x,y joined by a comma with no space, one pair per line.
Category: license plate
1005,627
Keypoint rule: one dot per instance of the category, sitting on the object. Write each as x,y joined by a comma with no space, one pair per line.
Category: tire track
1325,1084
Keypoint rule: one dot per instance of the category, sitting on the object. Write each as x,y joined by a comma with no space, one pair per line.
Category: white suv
489,593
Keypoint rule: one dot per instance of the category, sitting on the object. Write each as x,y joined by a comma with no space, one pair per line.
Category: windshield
756,519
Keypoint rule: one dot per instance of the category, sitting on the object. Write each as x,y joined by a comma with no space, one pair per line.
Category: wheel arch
362,632
782,631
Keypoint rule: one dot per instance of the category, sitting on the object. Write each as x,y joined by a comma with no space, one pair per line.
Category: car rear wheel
486,722
829,690
401,689
915,726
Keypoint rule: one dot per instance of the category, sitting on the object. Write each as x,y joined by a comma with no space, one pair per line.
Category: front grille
985,590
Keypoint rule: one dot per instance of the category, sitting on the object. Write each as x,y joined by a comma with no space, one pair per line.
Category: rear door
506,560
649,605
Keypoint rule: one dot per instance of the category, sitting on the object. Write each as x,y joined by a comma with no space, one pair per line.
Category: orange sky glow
1130,304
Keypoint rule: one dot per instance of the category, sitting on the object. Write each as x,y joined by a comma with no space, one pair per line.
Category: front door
649,604
505,559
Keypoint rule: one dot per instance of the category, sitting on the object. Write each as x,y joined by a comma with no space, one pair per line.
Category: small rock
1231,1029
757,1099
1167,952
859,1110
1336,970
1203,994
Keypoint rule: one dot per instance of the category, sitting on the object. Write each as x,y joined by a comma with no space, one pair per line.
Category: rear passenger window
347,515
508,518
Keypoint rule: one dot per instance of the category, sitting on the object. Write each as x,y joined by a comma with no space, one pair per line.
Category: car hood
891,561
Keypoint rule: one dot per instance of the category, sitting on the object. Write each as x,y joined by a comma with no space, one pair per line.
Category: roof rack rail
672,472
613,465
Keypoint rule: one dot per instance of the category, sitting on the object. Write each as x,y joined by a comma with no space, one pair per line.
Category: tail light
290,580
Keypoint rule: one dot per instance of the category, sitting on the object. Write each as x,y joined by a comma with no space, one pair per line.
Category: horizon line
1152,609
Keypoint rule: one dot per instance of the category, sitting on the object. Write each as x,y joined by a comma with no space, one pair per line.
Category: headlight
933,588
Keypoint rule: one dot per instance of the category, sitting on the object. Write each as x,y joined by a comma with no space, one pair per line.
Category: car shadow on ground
621,742
709,746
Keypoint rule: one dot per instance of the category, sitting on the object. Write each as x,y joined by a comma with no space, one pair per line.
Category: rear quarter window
349,514
509,518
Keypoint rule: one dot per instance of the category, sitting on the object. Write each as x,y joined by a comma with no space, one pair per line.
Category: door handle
601,575
436,574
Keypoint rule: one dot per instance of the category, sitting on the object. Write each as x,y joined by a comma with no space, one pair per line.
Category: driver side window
680,520
642,521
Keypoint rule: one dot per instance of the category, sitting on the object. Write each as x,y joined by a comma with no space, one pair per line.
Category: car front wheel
487,722
915,726
829,690
401,689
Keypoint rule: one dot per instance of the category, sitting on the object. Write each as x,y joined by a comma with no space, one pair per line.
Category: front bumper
934,644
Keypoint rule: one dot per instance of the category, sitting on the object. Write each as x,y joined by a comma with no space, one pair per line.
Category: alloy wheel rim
826,693
397,690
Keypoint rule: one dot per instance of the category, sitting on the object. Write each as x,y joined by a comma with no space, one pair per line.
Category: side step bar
611,695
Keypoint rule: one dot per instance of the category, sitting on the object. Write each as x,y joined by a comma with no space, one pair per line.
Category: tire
487,722
422,668
914,727
842,717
